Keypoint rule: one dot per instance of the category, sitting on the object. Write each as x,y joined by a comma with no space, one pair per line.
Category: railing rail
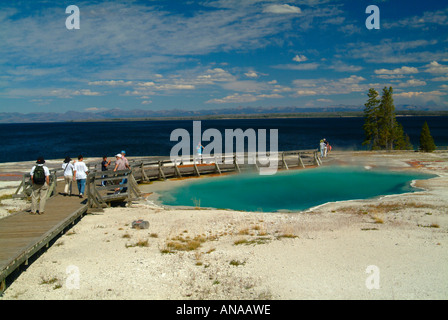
104,187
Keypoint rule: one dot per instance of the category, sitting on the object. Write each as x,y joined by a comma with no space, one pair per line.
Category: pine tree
371,120
387,121
381,128
426,140
401,141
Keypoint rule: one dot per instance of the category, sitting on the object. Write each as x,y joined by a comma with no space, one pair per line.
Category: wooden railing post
144,176
176,169
284,164
235,162
161,173
195,167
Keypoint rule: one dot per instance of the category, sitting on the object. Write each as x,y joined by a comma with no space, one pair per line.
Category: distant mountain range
119,114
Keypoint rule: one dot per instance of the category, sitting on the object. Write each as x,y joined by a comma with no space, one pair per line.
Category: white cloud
300,58
304,66
437,68
244,98
342,67
392,51
412,83
270,96
439,17
435,97
95,109
235,98
398,71
350,29
329,87
49,92
251,74
421,94
85,92
306,93
443,79
111,83
282,8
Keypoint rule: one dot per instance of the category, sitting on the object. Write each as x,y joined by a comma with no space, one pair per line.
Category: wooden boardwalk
23,235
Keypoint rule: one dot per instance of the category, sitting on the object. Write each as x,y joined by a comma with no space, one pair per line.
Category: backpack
39,175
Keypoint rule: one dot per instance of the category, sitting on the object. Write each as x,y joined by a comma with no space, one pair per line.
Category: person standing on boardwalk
123,157
199,149
104,165
327,147
323,148
40,178
68,176
80,172
121,164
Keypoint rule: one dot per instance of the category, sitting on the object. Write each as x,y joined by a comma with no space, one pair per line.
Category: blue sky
211,54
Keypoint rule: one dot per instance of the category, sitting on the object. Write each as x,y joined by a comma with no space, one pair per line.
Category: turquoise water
291,190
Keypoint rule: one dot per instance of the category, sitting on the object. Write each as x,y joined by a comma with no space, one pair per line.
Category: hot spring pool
290,190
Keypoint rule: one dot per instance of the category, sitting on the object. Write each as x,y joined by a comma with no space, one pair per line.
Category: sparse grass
126,236
51,281
140,243
237,263
287,235
154,235
378,220
5,197
382,208
432,225
244,232
258,240
181,243
45,280
369,229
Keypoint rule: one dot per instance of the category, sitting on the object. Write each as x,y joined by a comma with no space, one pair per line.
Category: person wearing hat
123,156
40,178
68,176
323,148
121,164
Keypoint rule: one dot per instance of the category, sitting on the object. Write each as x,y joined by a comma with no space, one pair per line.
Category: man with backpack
40,178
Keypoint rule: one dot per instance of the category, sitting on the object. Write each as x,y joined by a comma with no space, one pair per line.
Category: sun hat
123,151
40,160
118,155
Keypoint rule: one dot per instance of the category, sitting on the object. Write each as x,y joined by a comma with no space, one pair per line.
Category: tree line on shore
383,131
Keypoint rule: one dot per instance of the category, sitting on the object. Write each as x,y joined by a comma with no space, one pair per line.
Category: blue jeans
81,185
124,181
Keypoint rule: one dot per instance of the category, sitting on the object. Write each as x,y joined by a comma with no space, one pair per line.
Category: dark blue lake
24,142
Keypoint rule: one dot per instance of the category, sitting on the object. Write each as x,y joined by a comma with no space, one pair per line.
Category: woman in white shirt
68,176
80,172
